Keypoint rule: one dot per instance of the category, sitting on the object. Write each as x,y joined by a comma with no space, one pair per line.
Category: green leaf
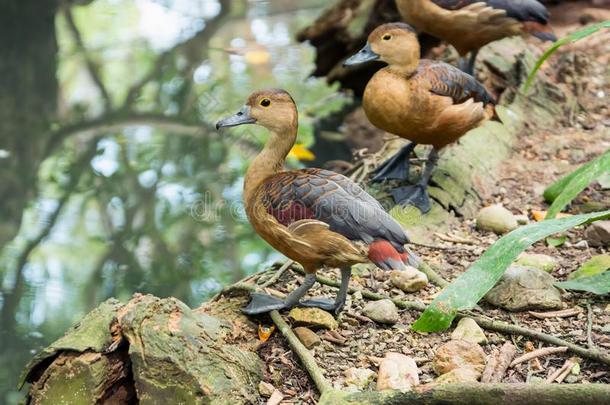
557,241
564,190
595,265
598,284
470,287
573,37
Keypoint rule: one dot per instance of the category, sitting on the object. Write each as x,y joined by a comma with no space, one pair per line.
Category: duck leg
466,64
396,167
417,195
337,304
261,303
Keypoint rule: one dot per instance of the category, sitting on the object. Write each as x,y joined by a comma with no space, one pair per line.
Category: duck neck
406,69
270,160
405,62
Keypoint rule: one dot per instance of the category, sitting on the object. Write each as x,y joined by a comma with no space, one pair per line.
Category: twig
590,343
454,239
564,313
560,374
305,355
333,339
277,274
538,353
499,363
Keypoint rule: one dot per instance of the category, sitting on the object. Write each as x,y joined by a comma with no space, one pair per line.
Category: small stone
497,219
465,374
308,337
265,389
524,288
459,353
607,309
537,261
358,378
397,372
598,234
409,280
276,398
382,311
313,317
467,329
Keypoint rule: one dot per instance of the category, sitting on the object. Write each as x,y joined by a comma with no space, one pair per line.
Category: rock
409,280
358,378
382,311
265,389
522,288
314,317
276,398
456,354
465,374
537,261
467,329
397,372
497,219
308,337
522,219
598,234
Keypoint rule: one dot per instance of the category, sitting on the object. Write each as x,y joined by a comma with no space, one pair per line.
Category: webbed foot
396,167
262,303
326,304
416,195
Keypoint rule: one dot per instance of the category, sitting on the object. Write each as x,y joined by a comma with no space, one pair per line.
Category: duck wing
521,10
449,81
333,199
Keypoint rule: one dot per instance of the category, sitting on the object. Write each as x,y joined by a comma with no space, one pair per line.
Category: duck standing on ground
468,25
315,217
424,101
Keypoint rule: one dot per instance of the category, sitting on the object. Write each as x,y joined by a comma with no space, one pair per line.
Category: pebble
497,219
313,317
598,234
358,378
458,353
265,389
397,372
539,261
382,311
525,288
464,374
467,329
308,337
409,280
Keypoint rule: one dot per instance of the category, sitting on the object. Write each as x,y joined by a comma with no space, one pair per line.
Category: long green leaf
567,188
575,36
598,284
470,287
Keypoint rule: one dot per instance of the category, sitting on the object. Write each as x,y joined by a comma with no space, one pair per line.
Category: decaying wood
564,313
547,351
498,362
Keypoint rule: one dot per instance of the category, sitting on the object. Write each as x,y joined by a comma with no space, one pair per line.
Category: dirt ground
541,156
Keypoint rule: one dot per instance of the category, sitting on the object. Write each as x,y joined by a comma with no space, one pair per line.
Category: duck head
393,43
273,109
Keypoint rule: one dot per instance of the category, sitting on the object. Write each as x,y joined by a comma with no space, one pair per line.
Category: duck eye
265,102
386,37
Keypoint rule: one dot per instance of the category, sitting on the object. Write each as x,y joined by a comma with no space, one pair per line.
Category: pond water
129,187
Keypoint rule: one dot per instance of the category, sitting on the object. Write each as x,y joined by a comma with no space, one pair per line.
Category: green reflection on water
153,206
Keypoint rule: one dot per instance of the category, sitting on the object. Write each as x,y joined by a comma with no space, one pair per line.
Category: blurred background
113,179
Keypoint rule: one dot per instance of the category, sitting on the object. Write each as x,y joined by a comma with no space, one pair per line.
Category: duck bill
240,118
365,55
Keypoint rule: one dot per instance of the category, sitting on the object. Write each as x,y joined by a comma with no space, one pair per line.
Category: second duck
427,102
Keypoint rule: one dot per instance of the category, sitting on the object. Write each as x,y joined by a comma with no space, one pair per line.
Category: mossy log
151,351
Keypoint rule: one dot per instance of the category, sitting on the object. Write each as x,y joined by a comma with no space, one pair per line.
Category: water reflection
127,186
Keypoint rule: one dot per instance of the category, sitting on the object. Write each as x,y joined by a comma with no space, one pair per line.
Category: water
149,194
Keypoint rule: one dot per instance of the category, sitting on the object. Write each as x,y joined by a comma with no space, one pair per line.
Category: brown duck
468,25
313,216
424,101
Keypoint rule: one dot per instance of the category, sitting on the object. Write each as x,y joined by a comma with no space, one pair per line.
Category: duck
469,25
313,216
424,101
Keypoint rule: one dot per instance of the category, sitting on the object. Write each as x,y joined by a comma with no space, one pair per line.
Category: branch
92,67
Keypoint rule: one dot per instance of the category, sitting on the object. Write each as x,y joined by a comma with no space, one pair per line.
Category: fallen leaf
595,265
265,332
540,215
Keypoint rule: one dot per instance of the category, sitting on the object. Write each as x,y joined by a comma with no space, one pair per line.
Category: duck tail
385,256
540,31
